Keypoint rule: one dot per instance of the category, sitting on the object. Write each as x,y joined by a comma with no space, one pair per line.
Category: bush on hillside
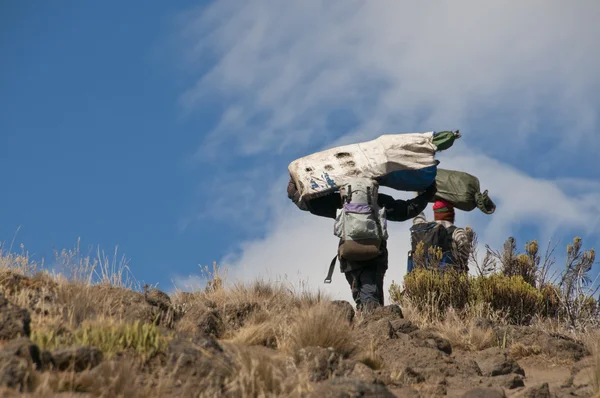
518,288
518,300
432,291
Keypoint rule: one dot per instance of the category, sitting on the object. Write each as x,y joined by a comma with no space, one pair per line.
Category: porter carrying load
404,162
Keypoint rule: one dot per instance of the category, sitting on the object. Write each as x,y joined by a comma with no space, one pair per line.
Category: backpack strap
331,268
449,242
451,230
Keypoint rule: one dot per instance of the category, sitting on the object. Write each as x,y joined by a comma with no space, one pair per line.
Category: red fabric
440,204
438,211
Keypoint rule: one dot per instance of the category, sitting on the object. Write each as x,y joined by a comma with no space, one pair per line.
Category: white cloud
522,82
283,66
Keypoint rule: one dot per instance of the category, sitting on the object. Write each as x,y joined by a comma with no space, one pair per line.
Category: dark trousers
366,279
367,286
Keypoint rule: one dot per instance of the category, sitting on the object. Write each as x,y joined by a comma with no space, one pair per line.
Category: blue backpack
431,234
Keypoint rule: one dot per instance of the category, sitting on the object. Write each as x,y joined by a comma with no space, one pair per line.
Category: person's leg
366,282
354,282
382,266
370,290
380,275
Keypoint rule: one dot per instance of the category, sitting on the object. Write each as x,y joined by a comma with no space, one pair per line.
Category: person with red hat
455,242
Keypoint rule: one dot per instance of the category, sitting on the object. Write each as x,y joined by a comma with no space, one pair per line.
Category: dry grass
255,313
72,292
263,373
518,350
261,330
306,324
110,336
370,357
109,379
276,296
322,325
85,303
464,334
19,263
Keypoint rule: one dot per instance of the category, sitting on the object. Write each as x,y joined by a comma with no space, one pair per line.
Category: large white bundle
401,161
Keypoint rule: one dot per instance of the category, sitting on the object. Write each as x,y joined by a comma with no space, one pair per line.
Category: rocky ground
261,341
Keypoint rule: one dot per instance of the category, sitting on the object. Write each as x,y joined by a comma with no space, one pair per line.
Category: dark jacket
396,210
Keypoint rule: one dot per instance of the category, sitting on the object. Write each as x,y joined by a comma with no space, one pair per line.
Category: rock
484,393
435,390
320,362
495,362
196,360
541,391
346,308
554,345
210,323
390,312
363,373
14,321
77,358
403,326
131,305
411,376
47,360
468,366
582,391
202,320
158,298
24,348
161,301
204,341
39,292
14,372
236,315
560,345
568,382
376,326
407,392
375,332
510,381
343,387
483,323
428,338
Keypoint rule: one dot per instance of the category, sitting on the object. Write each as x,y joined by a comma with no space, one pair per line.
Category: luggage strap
331,268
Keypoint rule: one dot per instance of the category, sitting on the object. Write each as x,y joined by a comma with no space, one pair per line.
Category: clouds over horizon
284,68
521,82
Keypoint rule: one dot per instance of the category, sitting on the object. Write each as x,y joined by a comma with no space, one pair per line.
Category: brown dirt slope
67,338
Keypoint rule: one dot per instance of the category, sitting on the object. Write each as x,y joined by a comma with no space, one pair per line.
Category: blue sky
167,129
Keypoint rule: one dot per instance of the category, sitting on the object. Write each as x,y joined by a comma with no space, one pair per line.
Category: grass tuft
143,339
323,325
518,350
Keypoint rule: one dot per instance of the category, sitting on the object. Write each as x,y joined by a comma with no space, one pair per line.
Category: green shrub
550,302
511,295
396,293
434,291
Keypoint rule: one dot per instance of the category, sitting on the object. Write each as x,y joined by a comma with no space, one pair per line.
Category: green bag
463,191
